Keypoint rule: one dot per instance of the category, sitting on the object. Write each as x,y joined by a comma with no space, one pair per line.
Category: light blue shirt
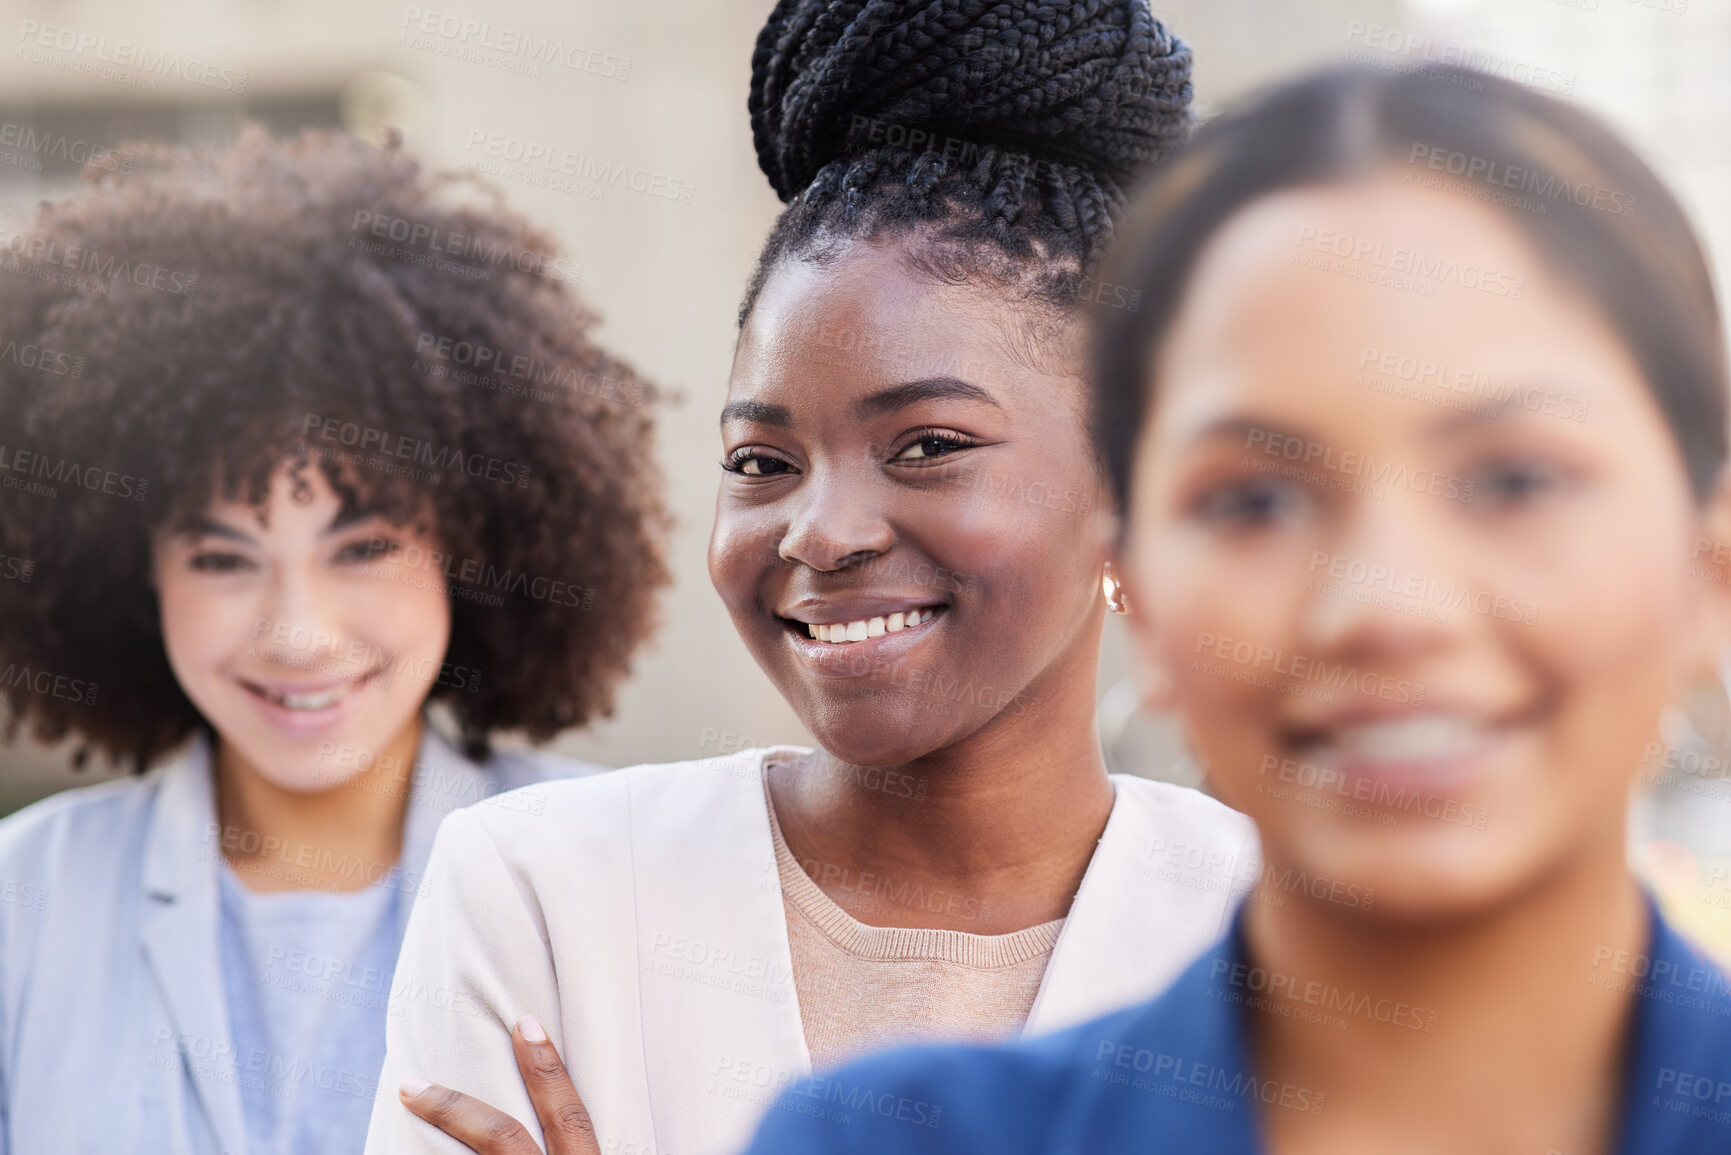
307,977
117,1035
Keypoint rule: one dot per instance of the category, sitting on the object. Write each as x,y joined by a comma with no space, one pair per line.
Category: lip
1452,772
815,611
865,658
303,723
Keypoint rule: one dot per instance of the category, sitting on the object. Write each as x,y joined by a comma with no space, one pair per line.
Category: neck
280,839
988,835
1499,1011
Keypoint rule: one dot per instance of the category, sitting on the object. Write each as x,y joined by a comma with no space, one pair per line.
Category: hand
486,1131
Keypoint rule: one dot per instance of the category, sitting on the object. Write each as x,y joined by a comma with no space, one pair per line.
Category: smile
1438,751
308,700
844,633
1421,738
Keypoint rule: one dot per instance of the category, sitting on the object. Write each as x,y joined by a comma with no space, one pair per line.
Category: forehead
863,318
298,501
1308,292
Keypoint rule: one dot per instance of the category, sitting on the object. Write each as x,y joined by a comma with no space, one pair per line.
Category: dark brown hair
199,318
1592,207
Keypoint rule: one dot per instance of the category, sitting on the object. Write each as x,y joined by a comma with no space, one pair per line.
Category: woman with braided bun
910,535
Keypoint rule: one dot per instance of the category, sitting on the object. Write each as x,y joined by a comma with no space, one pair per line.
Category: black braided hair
1005,131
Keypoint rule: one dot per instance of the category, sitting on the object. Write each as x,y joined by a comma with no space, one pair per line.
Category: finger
564,1120
485,1130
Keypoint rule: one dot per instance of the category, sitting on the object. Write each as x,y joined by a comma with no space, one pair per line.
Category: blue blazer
1174,1075
114,1031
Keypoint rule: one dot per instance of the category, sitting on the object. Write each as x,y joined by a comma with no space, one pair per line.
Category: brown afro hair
197,318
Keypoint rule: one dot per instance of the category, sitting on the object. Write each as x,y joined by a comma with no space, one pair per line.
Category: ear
1153,675
1708,647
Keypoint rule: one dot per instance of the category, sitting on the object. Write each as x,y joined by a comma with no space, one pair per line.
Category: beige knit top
864,987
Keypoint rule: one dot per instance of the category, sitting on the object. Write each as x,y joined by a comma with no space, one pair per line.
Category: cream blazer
639,916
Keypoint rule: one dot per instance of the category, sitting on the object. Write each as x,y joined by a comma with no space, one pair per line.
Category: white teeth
1411,739
318,700
839,633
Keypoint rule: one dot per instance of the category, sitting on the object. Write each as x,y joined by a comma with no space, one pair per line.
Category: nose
837,520
299,619
1380,592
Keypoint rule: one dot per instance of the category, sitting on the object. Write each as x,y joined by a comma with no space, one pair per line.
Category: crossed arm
489,1131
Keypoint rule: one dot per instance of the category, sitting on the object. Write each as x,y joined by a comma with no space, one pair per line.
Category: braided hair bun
997,128
1099,84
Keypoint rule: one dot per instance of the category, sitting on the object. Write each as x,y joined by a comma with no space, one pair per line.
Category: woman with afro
302,445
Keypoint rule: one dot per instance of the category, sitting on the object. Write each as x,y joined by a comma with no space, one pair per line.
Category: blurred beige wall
666,275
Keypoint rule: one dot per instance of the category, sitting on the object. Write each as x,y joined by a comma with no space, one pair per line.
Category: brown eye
1248,504
218,561
366,551
750,464
1513,483
932,443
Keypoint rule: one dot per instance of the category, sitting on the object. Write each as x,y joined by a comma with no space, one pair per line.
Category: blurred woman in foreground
1428,389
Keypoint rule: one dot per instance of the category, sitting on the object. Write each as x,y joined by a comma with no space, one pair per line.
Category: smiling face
305,632
908,535
1416,561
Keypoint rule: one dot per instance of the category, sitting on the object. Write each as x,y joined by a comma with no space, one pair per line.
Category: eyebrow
209,527
1487,412
1240,428
762,412
872,405
926,389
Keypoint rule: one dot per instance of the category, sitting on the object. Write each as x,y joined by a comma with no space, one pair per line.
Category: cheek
1037,544
1202,613
202,626
1611,633
402,618
741,551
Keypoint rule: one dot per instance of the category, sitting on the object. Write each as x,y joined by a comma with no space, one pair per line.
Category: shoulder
1683,999
70,859
565,820
511,769
1181,821
1008,1099
1676,1094
1181,803
82,821
923,1099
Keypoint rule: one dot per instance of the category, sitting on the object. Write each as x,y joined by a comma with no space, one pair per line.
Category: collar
1134,926
180,919
443,781
1676,1097
1677,1083
178,924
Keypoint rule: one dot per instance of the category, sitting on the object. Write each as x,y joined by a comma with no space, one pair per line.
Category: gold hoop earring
1116,601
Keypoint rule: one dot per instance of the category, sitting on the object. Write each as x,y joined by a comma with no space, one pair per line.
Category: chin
873,736
310,764
871,750
302,772
1426,880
